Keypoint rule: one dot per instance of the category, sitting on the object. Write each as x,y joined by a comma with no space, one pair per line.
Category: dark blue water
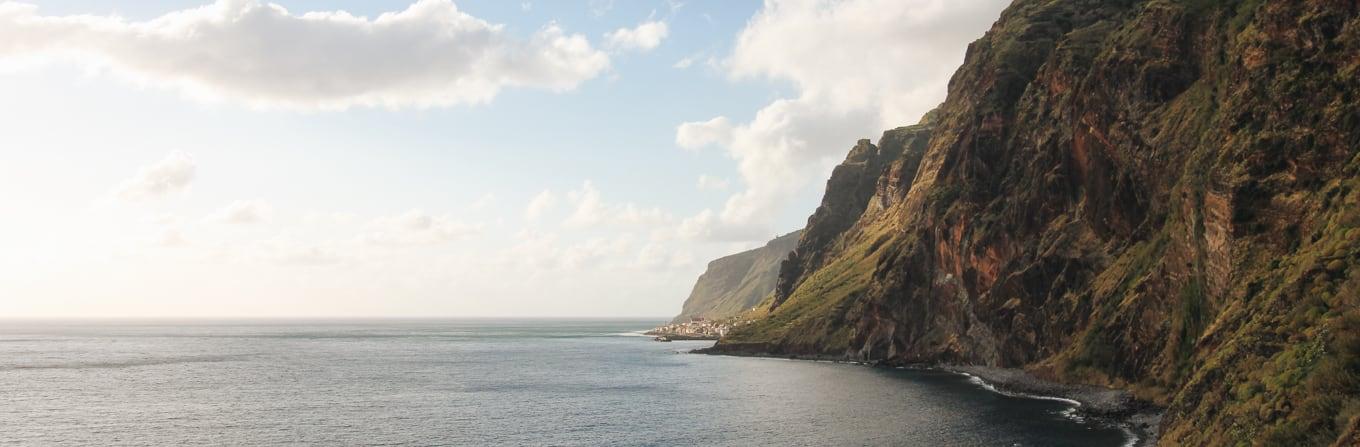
470,382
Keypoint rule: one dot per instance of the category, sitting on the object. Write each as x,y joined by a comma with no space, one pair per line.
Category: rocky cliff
732,284
1159,196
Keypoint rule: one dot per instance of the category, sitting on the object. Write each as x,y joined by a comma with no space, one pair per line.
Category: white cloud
416,227
709,226
600,7
591,211
859,67
163,219
533,249
537,251
320,219
540,204
710,183
171,237
645,37
484,201
310,255
430,54
172,175
242,212
684,62
657,256
596,251
699,134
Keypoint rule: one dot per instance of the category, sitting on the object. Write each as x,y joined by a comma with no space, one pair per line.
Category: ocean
477,382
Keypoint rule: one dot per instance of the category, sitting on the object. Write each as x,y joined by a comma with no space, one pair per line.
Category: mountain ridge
1158,196
734,283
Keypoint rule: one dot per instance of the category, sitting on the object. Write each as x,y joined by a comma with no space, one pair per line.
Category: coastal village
697,328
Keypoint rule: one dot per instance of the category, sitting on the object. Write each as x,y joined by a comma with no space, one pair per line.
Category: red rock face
1155,194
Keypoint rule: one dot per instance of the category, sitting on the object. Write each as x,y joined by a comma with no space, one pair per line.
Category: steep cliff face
868,182
1162,196
734,283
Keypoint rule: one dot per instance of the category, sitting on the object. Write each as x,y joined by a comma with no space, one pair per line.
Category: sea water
476,382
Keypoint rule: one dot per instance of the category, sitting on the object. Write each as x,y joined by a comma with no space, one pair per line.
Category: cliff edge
1158,196
734,283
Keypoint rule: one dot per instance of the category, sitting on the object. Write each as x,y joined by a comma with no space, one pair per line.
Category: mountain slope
734,283
1162,196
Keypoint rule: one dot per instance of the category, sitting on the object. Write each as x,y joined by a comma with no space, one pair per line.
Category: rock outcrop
734,283
1160,196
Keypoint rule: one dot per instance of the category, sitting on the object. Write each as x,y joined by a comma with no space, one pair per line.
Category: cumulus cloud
484,201
533,249
858,67
172,175
708,225
546,251
539,250
591,210
430,54
601,7
540,204
644,37
417,227
595,251
710,183
171,237
242,212
163,219
308,255
699,134
657,256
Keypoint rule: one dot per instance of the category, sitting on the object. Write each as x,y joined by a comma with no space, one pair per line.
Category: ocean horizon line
304,318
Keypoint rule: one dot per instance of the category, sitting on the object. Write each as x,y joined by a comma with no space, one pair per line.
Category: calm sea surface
475,382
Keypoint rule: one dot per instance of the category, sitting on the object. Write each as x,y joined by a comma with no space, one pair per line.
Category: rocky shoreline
1116,406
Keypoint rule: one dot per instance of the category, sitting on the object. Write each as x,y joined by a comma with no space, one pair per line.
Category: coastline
694,329
680,337
1140,419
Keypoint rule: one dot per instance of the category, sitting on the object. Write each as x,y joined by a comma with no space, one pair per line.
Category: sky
435,158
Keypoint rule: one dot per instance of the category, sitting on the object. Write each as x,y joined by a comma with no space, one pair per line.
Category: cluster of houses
697,328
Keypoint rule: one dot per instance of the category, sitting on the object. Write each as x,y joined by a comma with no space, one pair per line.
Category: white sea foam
989,387
1131,438
1071,413
982,383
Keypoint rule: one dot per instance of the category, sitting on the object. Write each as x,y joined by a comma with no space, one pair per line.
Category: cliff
1159,196
735,283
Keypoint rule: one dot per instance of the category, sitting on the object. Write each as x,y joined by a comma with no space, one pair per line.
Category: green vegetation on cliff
1161,196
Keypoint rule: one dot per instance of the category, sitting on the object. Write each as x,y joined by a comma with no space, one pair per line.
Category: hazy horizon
323,318
409,159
